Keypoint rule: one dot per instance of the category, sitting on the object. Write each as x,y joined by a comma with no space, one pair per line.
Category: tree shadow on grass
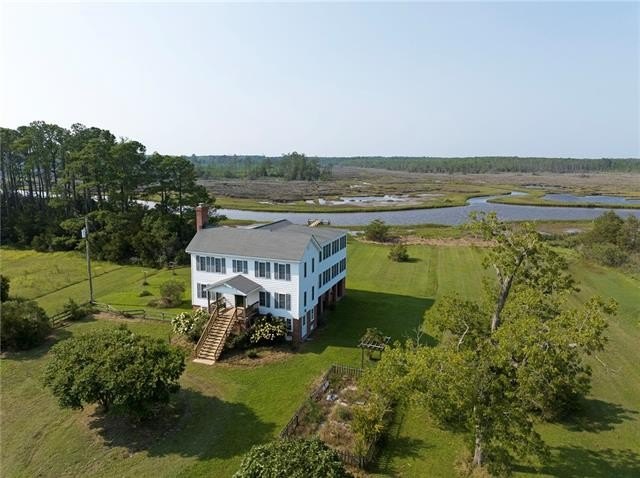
395,446
41,350
597,415
413,260
577,462
395,315
193,425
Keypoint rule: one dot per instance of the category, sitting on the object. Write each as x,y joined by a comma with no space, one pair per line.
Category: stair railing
227,330
207,328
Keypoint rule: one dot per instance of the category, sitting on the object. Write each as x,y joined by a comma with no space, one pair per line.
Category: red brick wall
202,216
296,331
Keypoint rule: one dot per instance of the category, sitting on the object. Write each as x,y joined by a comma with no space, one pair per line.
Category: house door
240,300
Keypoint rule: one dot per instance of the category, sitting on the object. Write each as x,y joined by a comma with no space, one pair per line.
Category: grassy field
227,408
55,277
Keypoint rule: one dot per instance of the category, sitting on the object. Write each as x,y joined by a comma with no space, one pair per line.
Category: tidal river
445,215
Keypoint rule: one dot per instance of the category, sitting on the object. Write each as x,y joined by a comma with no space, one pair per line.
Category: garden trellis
371,344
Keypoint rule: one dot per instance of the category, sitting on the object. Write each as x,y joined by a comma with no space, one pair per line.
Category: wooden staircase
215,335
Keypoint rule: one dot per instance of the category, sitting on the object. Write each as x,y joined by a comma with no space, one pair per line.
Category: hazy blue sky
332,79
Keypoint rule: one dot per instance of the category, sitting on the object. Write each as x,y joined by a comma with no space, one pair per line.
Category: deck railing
248,312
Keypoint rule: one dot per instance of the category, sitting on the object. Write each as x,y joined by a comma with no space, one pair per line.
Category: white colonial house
290,271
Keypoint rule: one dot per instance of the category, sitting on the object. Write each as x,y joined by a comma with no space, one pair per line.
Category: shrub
77,311
190,324
4,288
239,342
292,458
171,293
267,329
377,231
252,353
399,253
606,254
116,369
368,422
144,293
24,325
313,412
344,413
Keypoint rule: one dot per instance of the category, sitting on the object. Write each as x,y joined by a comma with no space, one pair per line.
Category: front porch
236,296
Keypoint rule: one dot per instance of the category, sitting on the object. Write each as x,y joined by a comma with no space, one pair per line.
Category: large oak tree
507,360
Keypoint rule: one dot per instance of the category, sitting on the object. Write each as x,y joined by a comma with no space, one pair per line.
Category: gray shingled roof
279,240
240,283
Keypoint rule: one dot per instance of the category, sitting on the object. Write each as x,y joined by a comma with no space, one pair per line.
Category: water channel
445,215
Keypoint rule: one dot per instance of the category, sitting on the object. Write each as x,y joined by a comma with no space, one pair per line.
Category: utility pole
85,234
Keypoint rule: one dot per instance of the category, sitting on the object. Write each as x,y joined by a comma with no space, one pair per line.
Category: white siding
327,264
296,287
270,285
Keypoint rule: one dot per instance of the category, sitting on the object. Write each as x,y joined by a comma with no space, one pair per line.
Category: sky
332,79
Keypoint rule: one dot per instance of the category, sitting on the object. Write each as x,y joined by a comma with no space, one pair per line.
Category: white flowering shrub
267,329
190,324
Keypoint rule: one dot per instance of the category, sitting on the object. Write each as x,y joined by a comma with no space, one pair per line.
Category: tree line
296,166
489,164
53,176
290,167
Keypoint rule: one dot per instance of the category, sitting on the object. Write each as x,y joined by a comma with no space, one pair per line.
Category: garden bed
328,414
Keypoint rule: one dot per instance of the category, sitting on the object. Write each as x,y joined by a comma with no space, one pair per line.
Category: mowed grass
53,278
226,409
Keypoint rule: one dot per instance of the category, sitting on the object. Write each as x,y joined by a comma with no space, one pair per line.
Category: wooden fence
289,429
134,313
59,319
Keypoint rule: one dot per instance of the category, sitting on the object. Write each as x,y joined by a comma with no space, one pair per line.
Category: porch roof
239,285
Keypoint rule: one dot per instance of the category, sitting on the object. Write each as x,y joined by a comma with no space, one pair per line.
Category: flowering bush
190,324
268,329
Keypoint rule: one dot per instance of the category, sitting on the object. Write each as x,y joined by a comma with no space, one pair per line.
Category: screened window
282,301
202,293
211,264
282,271
305,269
313,293
265,299
326,251
239,266
289,323
343,242
305,298
313,264
263,269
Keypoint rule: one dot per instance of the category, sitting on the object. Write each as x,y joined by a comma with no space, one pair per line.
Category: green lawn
227,408
55,277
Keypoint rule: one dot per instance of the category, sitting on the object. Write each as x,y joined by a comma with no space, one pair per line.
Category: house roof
238,283
277,240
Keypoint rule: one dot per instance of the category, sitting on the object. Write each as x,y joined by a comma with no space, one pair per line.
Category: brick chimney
202,216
